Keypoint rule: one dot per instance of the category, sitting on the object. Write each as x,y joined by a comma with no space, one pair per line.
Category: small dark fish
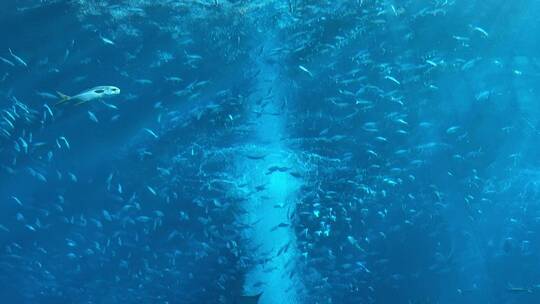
295,174
256,157
276,168
260,188
249,299
519,290
283,249
281,225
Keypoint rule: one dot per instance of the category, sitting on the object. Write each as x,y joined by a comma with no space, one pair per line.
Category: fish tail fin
63,98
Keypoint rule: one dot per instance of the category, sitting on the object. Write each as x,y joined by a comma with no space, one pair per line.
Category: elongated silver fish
88,95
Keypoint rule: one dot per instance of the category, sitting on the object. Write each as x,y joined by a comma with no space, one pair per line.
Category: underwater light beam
270,195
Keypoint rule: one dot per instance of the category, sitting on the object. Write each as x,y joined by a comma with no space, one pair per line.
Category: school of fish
355,151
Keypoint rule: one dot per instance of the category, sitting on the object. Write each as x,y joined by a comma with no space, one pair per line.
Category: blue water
266,152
